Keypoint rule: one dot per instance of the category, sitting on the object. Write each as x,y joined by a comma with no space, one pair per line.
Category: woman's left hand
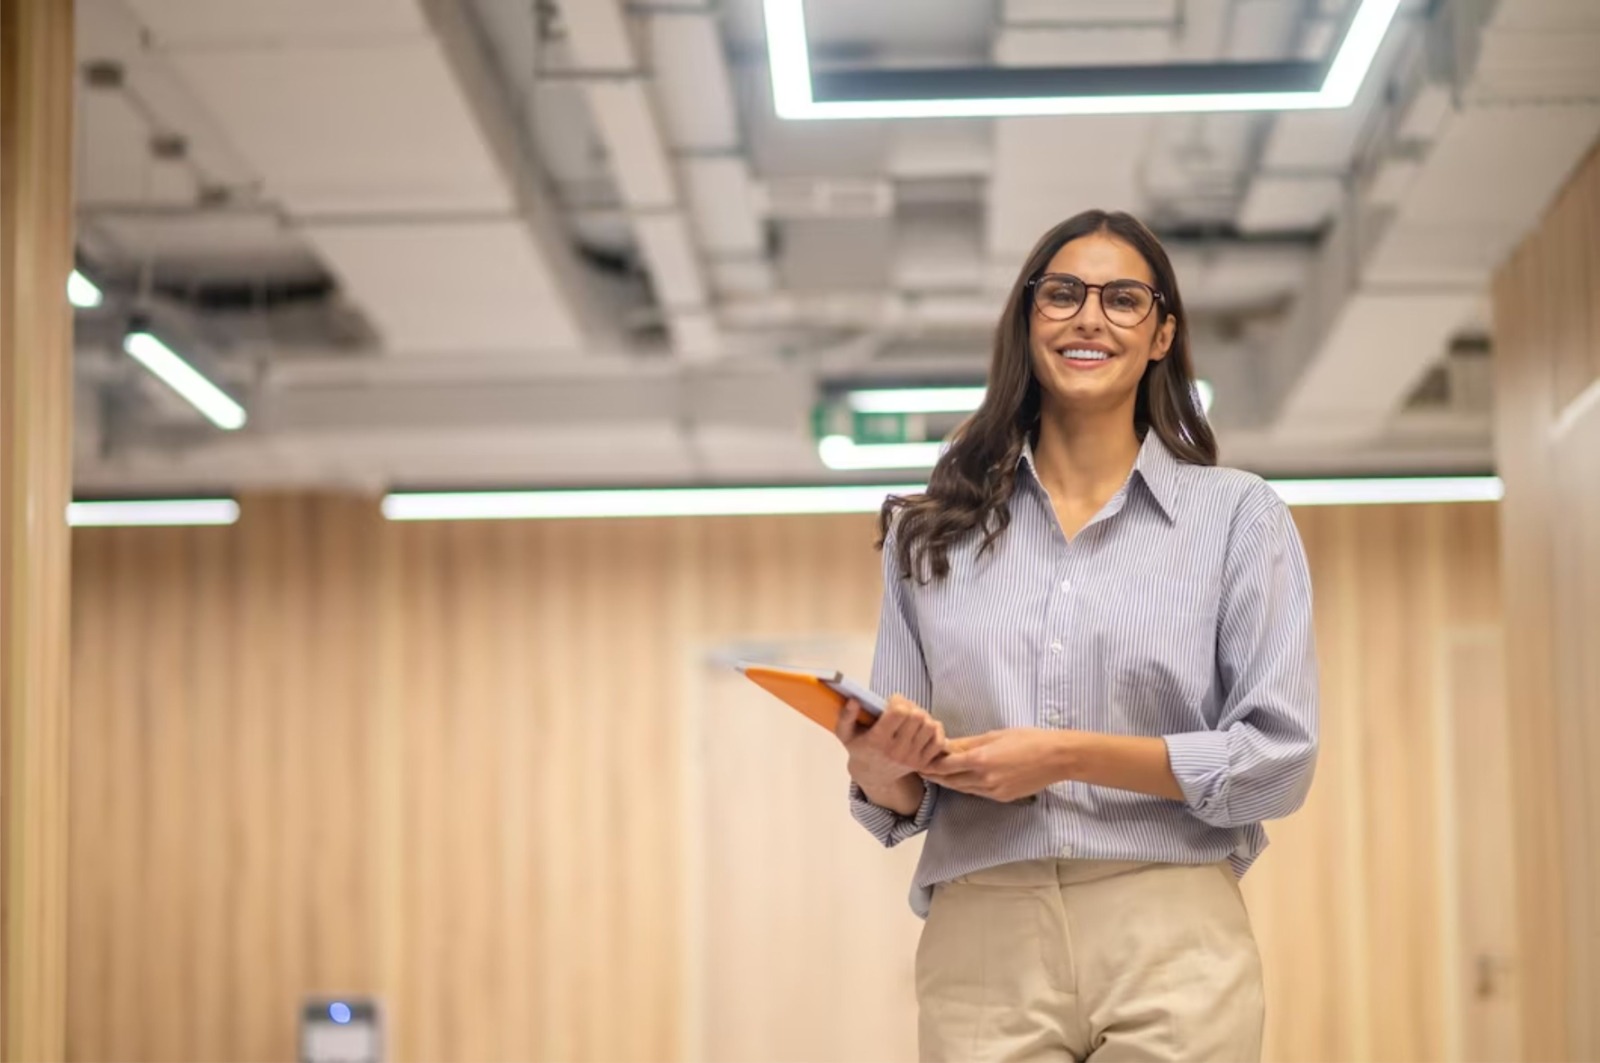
1004,765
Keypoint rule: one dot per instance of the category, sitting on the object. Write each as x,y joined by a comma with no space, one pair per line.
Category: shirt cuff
1199,761
887,825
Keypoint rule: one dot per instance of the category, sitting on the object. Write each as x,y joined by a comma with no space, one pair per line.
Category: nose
1091,317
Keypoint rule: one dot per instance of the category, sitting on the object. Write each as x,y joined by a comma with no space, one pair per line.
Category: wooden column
1547,439
36,116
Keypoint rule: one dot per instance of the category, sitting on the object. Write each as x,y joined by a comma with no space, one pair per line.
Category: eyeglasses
1059,297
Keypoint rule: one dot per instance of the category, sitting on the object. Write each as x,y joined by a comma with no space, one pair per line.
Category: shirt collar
1155,466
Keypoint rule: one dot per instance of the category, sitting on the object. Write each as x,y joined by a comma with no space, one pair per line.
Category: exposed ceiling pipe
392,167
619,98
1464,164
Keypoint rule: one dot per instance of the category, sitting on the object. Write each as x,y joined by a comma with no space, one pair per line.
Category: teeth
1085,354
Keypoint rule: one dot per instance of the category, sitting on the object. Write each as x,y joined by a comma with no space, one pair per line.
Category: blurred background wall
467,768
498,775
1547,438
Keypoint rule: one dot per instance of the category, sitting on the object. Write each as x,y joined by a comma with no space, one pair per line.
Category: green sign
880,428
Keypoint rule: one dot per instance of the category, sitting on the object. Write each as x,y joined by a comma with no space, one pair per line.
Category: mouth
1084,356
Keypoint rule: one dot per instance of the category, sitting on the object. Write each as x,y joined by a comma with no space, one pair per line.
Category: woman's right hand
901,742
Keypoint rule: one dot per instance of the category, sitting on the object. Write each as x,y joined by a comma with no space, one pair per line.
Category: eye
1061,293
1127,298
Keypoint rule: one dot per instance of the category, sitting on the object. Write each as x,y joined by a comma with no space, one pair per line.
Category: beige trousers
1080,959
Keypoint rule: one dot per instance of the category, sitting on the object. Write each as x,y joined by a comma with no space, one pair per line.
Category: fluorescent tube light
915,400
1356,52
643,502
842,452
761,501
789,59
953,400
1390,491
183,378
153,513
83,292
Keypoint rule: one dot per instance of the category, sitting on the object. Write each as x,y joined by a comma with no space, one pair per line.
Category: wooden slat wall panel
1547,383
1576,528
467,796
1569,246
1347,899
37,62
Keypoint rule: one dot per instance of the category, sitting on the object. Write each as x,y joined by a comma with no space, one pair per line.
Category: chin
1091,395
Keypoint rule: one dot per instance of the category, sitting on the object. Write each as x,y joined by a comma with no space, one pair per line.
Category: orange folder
816,694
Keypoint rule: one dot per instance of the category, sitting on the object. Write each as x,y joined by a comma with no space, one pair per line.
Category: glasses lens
1059,297
1126,304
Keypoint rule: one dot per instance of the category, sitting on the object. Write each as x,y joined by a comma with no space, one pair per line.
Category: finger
952,763
908,744
890,724
962,781
932,746
845,725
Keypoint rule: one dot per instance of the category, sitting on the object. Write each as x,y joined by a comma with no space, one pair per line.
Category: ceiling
432,243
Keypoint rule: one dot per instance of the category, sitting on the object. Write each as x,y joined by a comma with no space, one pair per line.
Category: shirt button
1066,585
1065,852
1055,647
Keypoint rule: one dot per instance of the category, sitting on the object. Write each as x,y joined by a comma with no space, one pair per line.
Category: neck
1085,456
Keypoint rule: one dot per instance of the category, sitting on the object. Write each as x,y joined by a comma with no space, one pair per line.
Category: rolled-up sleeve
1258,762
898,667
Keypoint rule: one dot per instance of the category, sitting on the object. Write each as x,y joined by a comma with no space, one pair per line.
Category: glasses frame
1155,296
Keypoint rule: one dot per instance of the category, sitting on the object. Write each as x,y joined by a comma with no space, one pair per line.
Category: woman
1100,653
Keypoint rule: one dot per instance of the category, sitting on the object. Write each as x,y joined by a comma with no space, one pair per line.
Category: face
1091,362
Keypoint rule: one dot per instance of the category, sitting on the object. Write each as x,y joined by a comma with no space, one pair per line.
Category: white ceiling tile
836,255
449,286
695,334
723,204
669,255
734,277
108,31
335,130
113,161
1289,202
938,254
211,243
1088,12
691,83
941,149
212,23
1048,169
638,158
598,35
1082,47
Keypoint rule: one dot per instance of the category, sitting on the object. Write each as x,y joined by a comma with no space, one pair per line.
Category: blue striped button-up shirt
1182,610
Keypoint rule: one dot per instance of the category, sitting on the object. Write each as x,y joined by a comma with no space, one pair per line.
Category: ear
1165,333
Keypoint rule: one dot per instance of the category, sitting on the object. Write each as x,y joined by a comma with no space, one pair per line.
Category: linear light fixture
183,378
915,400
952,399
760,501
643,502
150,513
1390,490
1021,91
82,292
842,452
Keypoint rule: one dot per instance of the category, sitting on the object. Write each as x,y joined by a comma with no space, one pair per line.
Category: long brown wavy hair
970,488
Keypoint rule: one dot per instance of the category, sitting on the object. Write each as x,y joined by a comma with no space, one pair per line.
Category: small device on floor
340,1030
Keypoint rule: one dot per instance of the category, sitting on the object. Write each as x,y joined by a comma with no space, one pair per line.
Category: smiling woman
1052,341
1099,654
